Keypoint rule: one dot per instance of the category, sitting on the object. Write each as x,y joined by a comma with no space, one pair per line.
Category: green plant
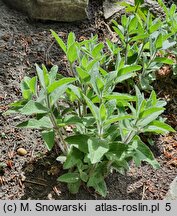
144,43
106,125
155,37
170,25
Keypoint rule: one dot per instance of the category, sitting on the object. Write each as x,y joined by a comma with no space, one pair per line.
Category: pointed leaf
94,109
69,178
48,137
33,107
42,123
117,118
74,187
151,117
40,74
71,39
97,148
142,153
79,141
158,127
164,60
59,41
60,83
72,53
73,158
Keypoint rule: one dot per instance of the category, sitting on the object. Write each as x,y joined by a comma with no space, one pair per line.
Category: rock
57,10
172,193
21,151
110,7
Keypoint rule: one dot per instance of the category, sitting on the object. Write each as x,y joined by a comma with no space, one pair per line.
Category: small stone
111,7
22,177
21,151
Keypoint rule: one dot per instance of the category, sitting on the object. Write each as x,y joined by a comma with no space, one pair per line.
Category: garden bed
34,176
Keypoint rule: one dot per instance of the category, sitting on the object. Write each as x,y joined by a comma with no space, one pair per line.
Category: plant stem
108,168
126,48
129,137
63,146
72,69
140,52
92,169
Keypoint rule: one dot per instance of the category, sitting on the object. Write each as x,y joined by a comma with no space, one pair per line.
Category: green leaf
97,148
79,141
27,94
132,25
172,9
33,107
71,39
128,69
72,53
158,127
150,115
41,74
74,187
25,88
59,83
119,96
69,178
94,109
110,106
97,182
142,153
97,49
120,32
139,98
57,93
83,176
100,84
124,21
53,73
59,41
164,60
155,26
120,166
139,2
33,85
103,112
139,37
127,72
72,119
159,41
117,118
73,158
117,151
46,75
48,137
83,75
151,110
73,93
43,123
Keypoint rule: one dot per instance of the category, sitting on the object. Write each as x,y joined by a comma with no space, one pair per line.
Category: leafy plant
156,38
144,43
105,124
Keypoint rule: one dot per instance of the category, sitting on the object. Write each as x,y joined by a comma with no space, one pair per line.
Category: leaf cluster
105,125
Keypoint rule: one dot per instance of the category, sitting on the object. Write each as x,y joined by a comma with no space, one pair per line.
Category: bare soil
23,43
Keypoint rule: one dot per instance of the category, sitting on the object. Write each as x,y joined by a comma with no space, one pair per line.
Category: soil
23,43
